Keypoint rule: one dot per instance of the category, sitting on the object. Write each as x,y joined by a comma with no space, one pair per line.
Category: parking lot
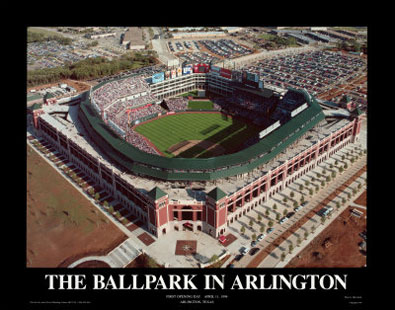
318,72
192,51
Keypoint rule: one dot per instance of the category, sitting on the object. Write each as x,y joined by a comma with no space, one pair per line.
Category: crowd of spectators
141,143
109,93
177,104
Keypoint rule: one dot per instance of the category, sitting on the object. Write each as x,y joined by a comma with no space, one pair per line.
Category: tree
295,204
323,171
343,157
253,237
323,219
259,218
270,224
282,256
310,192
105,204
262,229
285,200
322,183
298,242
285,212
111,209
306,183
336,162
302,199
337,205
275,207
292,194
359,185
242,230
251,223
341,169
333,175
277,216
328,179
300,187
267,213
331,166
345,166
312,229
343,200
97,197
306,234
291,247
214,258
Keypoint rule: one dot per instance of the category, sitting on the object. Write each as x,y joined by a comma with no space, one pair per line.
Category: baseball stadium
195,147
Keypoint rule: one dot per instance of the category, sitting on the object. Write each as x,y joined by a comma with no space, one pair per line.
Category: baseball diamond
170,133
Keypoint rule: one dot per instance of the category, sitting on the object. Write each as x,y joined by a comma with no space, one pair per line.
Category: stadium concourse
197,194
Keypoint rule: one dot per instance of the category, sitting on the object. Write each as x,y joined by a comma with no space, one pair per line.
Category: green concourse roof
216,194
156,193
161,167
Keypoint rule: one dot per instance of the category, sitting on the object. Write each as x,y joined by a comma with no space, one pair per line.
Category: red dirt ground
93,264
343,234
62,225
361,200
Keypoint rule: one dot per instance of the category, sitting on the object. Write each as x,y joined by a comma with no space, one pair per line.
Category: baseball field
197,134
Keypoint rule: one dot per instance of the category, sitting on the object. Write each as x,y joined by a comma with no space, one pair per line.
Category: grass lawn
191,93
200,105
172,129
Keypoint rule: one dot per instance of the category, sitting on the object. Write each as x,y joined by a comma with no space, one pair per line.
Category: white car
260,237
283,220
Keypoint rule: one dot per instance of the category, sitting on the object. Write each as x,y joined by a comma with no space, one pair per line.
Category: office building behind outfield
174,194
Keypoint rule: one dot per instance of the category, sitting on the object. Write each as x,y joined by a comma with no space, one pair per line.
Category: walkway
119,257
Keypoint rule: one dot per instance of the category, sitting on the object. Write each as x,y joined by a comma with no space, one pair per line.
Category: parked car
260,237
254,243
253,251
270,230
244,250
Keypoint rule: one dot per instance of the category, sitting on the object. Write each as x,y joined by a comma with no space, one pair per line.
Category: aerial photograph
196,147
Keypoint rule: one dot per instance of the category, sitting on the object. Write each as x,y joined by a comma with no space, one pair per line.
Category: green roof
357,111
216,194
49,96
35,106
137,161
156,193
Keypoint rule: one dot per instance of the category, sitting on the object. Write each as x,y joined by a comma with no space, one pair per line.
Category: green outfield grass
200,105
172,129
